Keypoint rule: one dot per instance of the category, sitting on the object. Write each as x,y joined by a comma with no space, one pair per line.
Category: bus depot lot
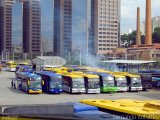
10,96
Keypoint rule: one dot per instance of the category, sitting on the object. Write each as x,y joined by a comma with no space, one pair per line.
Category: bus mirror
28,82
42,82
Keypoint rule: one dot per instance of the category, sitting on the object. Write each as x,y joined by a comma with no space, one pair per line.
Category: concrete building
62,27
155,22
31,25
107,25
48,61
5,25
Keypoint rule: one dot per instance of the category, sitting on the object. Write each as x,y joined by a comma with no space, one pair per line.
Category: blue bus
23,68
52,82
29,82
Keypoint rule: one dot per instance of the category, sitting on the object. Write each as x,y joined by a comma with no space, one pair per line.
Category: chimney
138,34
148,26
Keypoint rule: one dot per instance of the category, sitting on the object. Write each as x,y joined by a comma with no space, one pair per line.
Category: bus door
45,86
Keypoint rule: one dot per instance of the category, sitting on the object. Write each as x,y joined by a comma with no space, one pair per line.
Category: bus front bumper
34,91
123,89
55,91
109,89
136,88
94,91
78,91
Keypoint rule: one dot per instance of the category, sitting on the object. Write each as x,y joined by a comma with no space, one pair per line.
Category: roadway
10,96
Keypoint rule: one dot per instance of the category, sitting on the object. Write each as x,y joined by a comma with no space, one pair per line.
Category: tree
132,38
156,35
124,38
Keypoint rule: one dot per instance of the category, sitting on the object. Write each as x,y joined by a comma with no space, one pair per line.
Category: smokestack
138,36
148,28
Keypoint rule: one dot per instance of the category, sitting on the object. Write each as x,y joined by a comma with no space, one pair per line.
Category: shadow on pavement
15,90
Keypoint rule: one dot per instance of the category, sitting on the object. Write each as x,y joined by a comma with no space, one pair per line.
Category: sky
128,12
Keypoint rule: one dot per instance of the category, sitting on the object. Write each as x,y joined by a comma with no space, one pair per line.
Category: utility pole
69,55
80,56
13,55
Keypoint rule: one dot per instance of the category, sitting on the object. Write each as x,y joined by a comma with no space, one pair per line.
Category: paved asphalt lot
10,96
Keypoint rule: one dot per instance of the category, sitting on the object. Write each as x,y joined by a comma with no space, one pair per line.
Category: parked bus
30,82
52,82
121,82
107,82
73,83
11,66
92,84
20,69
133,81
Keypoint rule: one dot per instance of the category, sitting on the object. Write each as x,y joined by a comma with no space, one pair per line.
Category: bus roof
117,75
73,75
103,74
89,75
129,61
30,75
48,73
126,74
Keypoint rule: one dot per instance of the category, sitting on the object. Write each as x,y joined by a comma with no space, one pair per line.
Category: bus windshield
136,82
108,81
93,83
35,85
78,83
121,82
56,82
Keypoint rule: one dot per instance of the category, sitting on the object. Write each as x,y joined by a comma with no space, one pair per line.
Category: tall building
47,15
155,22
5,25
83,25
17,27
62,27
90,30
31,25
106,25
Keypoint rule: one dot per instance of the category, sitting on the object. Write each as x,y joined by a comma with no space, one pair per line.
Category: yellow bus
121,82
11,66
73,83
92,83
134,82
